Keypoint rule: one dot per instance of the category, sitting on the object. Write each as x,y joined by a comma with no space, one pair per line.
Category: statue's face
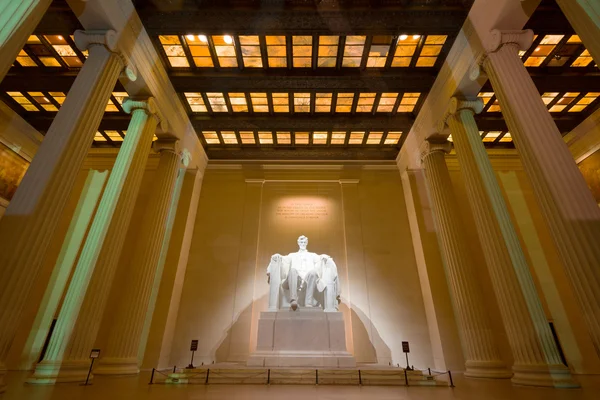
302,243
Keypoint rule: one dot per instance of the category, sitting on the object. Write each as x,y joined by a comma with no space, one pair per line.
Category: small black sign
95,353
194,346
405,347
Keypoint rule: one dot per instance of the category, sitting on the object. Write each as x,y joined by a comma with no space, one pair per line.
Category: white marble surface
308,337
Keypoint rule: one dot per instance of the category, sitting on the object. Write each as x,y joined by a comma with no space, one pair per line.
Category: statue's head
302,242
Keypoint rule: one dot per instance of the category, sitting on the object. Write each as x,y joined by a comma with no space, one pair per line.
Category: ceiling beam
394,80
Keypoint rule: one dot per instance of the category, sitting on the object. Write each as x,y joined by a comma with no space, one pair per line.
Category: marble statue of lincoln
304,270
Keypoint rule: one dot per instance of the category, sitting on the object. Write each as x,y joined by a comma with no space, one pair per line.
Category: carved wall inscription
302,210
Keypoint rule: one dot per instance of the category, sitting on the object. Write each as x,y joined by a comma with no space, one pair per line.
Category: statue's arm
274,263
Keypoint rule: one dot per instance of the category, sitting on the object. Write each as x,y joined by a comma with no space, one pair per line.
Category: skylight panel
485,97
195,101
265,137
584,101
229,137
23,101
543,50
99,137
120,96
301,102
353,51
281,102
392,138
387,102
217,102
276,51
328,49
506,138
211,137
374,137
247,137
548,97
344,102
323,102
405,49
114,136
584,59
238,102
431,50
338,137
225,50
64,50
174,51
198,45
302,51
378,52
59,97
111,107
408,102
491,136
24,59
284,138
356,137
365,102
319,137
495,107
301,138
43,101
260,103
251,51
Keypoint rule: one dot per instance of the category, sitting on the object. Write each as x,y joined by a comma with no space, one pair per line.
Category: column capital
85,40
496,39
148,105
433,145
456,105
186,157
171,146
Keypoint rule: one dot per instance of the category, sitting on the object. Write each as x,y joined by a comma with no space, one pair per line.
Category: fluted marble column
564,198
18,19
584,16
27,226
482,358
66,358
536,358
121,356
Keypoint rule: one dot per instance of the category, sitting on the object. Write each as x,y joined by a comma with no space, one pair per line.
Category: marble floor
133,388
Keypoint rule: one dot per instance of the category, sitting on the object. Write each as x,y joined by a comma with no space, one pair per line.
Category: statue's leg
292,283
330,298
311,284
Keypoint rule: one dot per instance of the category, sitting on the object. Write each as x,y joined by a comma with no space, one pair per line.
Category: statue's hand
268,277
339,299
276,257
325,257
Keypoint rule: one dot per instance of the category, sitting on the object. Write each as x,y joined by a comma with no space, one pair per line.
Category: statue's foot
312,303
294,305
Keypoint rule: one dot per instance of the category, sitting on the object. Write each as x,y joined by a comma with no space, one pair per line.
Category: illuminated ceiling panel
276,51
284,138
365,102
238,102
353,51
64,51
408,102
43,101
344,102
23,101
211,137
281,102
247,137
251,51
431,50
392,138
387,102
302,51
301,102
229,137
378,52
114,136
260,103
584,101
374,138
491,136
328,49
356,137
405,49
217,102
195,101
319,137
338,137
174,51
323,102
301,138
265,137
225,51
199,49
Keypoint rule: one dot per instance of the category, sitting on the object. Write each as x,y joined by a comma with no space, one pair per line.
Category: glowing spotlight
203,38
403,37
538,49
415,37
60,37
191,38
228,39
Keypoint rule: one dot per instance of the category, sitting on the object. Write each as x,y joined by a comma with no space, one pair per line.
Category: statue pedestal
308,337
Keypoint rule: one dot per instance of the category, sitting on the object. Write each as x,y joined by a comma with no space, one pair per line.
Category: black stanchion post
405,377
207,373
359,378
269,376
317,376
429,369
406,350
152,377
174,368
193,348
95,353
451,382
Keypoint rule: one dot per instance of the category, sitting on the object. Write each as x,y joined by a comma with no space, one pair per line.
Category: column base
118,366
51,372
487,369
557,376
